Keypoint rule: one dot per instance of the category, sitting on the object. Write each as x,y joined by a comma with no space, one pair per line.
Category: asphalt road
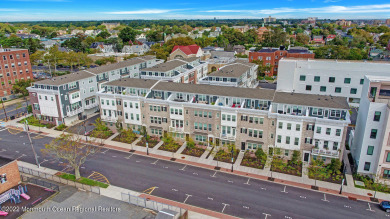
222,192
11,110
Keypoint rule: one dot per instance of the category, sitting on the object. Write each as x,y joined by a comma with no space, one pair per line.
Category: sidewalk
349,190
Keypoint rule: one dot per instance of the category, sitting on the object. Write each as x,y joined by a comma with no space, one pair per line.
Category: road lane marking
263,188
247,183
43,161
347,206
3,150
128,157
325,199
137,161
183,167
165,167
103,152
16,151
187,198
302,196
154,163
214,174
23,155
284,190
224,206
99,177
369,208
175,190
245,207
288,217
266,215
195,173
150,190
230,181
210,198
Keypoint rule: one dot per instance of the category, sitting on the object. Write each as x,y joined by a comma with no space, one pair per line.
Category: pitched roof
191,49
234,70
167,66
133,82
64,79
311,100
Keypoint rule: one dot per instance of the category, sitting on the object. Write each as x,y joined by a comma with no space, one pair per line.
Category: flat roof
234,70
166,66
264,94
64,79
311,100
115,66
333,60
133,82
4,161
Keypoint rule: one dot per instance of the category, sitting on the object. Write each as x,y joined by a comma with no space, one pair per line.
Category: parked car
385,205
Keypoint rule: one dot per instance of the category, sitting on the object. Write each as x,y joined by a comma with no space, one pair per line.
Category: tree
274,38
317,170
69,147
303,38
104,34
20,87
127,34
37,57
101,131
53,57
71,59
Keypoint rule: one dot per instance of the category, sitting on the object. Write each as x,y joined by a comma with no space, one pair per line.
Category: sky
71,10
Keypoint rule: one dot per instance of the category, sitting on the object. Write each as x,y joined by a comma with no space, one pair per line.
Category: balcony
325,153
75,111
227,137
108,118
176,129
90,106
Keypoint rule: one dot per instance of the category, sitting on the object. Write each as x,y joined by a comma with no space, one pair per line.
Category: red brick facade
14,65
13,176
272,58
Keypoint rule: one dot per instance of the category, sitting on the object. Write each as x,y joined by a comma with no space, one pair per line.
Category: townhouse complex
248,118
70,97
371,138
14,66
343,78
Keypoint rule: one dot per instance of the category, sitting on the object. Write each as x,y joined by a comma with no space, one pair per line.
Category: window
373,133
335,145
370,150
367,166
386,174
326,144
388,157
362,81
298,127
302,78
3,178
377,116
308,87
296,141
332,79
287,139
318,130
280,125
353,91
310,127
337,89
328,131
286,152
280,139
288,126
338,132
323,88
317,78
347,80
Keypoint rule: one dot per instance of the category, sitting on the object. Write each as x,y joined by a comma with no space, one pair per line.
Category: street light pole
232,159
32,146
146,140
5,113
342,182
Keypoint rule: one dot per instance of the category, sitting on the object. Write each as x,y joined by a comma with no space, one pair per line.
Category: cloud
327,10
146,11
8,9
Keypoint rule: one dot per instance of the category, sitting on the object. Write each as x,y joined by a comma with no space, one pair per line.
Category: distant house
47,44
61,32
186,52
136,49
173,36
92,32
330,37
28,36
239,49
261,31
75,32
102,48
110,26
318,39
140,36
376,53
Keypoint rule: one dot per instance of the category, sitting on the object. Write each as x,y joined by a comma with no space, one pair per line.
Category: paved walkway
304,182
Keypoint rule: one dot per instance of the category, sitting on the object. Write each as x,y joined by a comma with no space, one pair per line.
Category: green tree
37,57
317,171
20,87
104,34
302,38
128,34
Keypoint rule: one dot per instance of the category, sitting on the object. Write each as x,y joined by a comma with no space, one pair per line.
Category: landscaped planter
125,139
197,151
153,141
172,147
286,167
250,160
332,179
224,156
102,134
31,120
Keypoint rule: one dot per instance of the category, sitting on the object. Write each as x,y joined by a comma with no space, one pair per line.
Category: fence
58,179
150,204
42,183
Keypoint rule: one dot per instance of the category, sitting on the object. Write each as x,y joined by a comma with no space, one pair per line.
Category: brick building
271,56
14,65
9,174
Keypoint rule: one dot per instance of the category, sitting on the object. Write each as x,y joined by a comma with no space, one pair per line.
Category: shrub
29,108
190,143
61,127
260,154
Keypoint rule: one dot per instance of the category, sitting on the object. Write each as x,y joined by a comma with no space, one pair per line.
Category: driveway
79,127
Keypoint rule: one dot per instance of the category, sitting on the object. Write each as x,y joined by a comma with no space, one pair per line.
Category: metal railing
58,179
90,106
150,204
39,182
327,153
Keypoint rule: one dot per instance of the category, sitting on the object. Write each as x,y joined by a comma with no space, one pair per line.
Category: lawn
31,120
195,151
251,160
224,156
83,180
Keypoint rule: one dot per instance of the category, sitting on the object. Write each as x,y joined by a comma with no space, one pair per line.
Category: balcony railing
75,112
176,129
227,137
90,106
326,153
108,118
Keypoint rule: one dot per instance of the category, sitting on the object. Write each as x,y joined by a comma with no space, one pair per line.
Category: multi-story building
189,70
343,22
271,57
248,118
342,78
371,138
70,97
238,74
14,66
269,19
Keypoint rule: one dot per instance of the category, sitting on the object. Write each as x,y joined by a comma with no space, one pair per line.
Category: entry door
243,146
306,157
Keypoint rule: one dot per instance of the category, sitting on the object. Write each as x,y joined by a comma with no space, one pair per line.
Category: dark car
385,205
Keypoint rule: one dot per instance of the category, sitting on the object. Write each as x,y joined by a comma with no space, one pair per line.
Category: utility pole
146,140
232,158
5,113
32,146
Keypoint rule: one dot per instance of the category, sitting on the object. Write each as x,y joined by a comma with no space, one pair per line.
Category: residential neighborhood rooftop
311,100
